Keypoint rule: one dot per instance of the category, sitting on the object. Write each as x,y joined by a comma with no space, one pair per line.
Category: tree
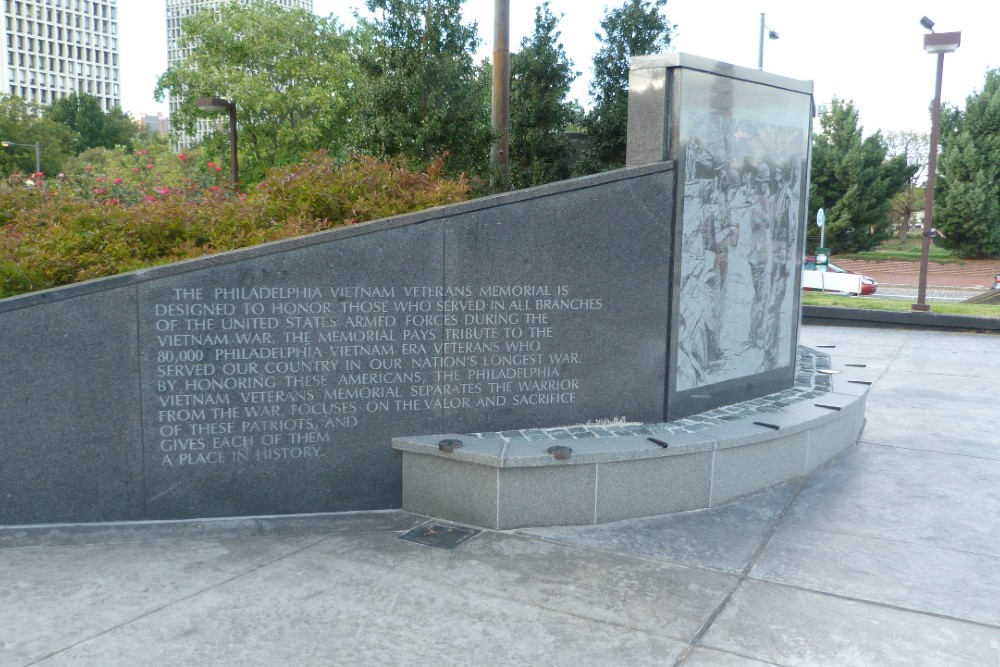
967,196
287,70
83,114
21,124
541,75
636,28
915,148
852,180
420,94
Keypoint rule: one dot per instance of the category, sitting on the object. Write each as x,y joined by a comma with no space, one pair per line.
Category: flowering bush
147,174
116,211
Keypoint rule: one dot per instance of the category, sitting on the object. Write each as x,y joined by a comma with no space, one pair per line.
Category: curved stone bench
624,471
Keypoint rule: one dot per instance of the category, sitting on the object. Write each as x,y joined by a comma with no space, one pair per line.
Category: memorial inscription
270,374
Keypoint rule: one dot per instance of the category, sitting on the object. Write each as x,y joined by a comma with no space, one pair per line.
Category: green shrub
146,174
127,213
361,189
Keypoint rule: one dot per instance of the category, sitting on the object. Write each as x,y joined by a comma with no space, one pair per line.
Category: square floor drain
440,535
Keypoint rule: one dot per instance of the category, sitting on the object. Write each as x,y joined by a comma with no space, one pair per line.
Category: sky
866,51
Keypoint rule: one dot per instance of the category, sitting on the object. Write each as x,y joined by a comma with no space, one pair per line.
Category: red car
868,285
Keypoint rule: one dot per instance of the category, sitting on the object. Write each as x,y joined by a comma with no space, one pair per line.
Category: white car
841,282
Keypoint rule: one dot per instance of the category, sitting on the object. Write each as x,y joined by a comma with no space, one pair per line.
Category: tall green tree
420,93
853,181
541,75
636,28
83,114
20,123
287,70
967,197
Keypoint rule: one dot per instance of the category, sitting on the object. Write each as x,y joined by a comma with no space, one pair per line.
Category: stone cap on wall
712,66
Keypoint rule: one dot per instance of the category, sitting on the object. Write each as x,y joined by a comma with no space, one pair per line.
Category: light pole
771,34
216,105
939,43
500,112
38,152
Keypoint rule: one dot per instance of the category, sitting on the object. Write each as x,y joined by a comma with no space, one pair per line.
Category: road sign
822,258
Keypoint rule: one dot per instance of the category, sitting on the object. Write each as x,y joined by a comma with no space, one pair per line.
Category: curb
828,315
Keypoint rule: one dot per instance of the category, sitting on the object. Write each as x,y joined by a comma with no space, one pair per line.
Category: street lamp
771,34
500,110
939,43
38,152
217,105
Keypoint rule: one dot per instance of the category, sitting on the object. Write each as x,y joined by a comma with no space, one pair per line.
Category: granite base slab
593,474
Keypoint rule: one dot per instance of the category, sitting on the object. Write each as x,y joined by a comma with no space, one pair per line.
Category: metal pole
234,168
38,158
921,303
500,153
760,52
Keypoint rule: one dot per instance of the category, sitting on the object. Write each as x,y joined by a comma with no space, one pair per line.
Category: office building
154,123
53,48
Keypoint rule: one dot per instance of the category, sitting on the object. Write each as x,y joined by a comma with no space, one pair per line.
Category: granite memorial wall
740,139
270,380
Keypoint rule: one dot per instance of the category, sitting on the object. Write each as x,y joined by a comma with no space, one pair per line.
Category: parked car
868,285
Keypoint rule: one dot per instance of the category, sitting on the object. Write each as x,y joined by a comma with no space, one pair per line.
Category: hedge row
131,214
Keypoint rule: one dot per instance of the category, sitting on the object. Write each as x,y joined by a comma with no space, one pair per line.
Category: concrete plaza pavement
889,555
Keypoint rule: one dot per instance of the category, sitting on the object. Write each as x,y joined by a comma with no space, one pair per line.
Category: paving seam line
744,573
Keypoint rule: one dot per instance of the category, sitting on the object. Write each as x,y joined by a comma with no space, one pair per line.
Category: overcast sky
868,51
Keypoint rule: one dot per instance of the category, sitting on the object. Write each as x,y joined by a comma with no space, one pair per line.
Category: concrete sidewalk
890,555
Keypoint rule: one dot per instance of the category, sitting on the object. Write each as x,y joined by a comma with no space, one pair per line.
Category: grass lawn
971,309
910,250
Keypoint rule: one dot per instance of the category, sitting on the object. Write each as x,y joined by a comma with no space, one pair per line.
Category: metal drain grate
439,535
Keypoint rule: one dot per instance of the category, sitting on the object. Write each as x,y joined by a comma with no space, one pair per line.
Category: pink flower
181,156
115,201
38,174
100,179
218,168
117,181
149,198
143,152
99,191
149,166
135,170
90,168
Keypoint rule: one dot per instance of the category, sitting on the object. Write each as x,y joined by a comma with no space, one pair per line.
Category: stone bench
622,471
